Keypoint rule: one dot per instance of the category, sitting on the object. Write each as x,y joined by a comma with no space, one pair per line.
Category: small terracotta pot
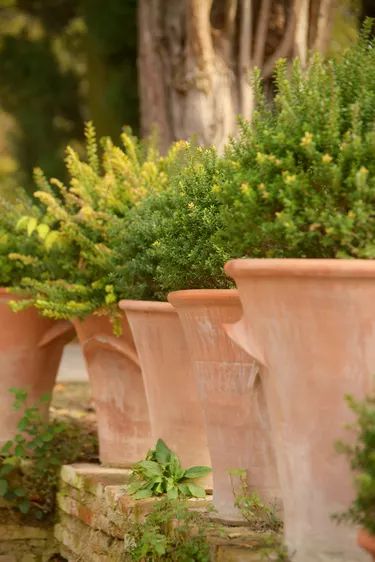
175,410
367,542
117,390
231,395
30,352
310,324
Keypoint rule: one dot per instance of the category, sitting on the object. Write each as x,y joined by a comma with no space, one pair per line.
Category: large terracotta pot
231,395
367,542
117,390
310,324
30,352
175,410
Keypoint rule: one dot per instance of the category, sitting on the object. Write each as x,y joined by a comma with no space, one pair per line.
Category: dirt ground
73,399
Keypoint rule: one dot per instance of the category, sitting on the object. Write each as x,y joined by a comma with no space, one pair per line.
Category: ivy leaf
24,506
3,487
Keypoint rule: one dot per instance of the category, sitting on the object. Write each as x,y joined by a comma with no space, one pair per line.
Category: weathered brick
238,554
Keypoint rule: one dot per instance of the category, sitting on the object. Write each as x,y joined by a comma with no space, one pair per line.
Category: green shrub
30,462
78,222
300,180
171,532
169,240
361,455
18,253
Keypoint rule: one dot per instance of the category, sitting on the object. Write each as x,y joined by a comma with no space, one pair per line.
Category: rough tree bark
196,56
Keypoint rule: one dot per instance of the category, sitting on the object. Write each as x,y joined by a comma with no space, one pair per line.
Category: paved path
72,367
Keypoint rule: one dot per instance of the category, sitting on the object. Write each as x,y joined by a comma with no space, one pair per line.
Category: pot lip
325,268
145,306
366,540
7,294
204,297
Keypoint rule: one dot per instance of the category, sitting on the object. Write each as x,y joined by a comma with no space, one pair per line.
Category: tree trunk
196,57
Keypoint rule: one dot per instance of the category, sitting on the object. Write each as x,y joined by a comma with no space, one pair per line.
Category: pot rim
146,306
366,541
204,297
325,268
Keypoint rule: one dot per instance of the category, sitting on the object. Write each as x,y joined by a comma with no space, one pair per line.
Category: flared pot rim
290,267
204,297
145,306
366,541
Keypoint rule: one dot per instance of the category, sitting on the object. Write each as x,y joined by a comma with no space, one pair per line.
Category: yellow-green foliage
76,226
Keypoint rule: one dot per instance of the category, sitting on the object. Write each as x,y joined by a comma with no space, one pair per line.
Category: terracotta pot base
310,324
232,399
175,412
30,352
117,390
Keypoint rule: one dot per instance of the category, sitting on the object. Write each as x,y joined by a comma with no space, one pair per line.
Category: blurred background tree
66,61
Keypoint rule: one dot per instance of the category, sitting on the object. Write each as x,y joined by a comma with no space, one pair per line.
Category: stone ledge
95,512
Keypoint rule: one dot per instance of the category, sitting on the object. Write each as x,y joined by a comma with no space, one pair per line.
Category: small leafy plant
30,462
361,455
161,473
260,515
171,532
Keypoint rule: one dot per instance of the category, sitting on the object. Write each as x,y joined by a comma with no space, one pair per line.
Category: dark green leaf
162,452
3,487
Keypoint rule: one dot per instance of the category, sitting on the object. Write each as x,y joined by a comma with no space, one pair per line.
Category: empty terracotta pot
117,390
231,395
310,324
30,352
175,411
367,542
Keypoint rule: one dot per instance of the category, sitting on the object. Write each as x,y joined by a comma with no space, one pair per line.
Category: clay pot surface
30,352
367,542
175,411
232,397
310,324
117,391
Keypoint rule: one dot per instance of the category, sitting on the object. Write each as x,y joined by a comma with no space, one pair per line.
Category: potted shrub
361,454
169,245
30,345
300,184
84,218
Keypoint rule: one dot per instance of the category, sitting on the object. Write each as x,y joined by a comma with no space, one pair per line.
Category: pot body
31,347
311,326
117,390
232,398
367,542
175,411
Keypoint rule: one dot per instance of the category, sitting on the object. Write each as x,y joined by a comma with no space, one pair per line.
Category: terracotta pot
117,391
175,410
367,542
30,352
310,324
231,395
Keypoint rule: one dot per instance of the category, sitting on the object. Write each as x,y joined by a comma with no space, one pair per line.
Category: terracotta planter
311,326
30,352
231,395
367,542
117,390
175,411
